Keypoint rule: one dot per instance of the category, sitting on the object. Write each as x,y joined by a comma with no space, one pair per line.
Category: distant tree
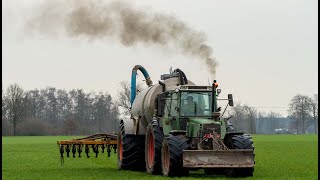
105,113
100,107
64,107
238,114
251,114
315,112
300,110
34,97
51,106
83,111
14,100
115,117
5,123
70,125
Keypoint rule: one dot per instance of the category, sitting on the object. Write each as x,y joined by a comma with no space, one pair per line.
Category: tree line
302,117
53,111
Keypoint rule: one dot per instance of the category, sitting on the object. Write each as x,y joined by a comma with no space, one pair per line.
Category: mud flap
242,158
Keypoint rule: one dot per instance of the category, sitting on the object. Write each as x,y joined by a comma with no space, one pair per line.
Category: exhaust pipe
215,114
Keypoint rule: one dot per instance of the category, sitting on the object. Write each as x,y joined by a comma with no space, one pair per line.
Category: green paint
176,117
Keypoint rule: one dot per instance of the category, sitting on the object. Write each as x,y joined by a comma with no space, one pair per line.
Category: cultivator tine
79,150
61,154
61,150
87,151
115,148
68,150
108,150
102,147
96,150
74,150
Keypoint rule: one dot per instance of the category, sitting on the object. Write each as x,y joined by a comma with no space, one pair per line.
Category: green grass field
277,157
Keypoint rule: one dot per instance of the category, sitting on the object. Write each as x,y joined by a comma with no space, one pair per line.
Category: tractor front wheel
171,155
239,142
153,143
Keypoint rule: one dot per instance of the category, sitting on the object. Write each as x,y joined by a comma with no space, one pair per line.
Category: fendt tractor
175,127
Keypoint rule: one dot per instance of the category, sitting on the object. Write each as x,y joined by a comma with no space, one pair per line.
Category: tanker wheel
153,144
130,151
239,142
171,155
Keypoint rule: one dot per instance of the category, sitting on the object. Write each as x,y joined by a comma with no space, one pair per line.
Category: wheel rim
150,150
120,148
166,159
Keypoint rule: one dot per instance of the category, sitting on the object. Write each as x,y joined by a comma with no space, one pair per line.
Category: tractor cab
195,103
189,108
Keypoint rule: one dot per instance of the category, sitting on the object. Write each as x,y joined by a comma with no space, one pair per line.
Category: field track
277,157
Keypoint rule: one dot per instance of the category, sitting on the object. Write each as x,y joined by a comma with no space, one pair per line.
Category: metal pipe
134,80
214,97
183,77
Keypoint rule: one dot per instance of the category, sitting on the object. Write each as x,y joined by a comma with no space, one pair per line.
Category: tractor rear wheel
239,142
171,155
153,144
130,150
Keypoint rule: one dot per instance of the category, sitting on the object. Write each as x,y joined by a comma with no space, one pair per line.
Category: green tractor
177,126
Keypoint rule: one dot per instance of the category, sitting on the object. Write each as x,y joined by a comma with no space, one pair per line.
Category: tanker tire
153,145
171,156
240,142
130,151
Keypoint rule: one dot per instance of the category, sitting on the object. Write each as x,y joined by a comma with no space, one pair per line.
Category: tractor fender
134,127
128,124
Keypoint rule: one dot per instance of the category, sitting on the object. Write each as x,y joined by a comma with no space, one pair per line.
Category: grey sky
267,51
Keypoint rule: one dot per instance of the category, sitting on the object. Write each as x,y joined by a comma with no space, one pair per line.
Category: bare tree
252,116
315,112
14,103
300,109
124,96
237,112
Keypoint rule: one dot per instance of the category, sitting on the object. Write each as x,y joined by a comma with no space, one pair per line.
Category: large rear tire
153,145
130,151
171,155
239,142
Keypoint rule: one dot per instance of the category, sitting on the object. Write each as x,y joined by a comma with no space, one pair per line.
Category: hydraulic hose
183,77
134,80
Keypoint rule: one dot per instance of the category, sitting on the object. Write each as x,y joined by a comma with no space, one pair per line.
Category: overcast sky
267,51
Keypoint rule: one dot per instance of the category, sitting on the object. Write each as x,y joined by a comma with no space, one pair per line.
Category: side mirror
218,91
230,99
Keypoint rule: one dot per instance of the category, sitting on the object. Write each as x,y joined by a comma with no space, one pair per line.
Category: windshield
195,104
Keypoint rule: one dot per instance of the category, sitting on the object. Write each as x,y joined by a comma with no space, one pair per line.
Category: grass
277,157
